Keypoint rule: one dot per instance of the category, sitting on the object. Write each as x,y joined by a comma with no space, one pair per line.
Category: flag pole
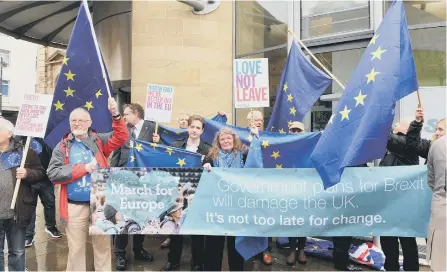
98,52
419,99
22,164
313,56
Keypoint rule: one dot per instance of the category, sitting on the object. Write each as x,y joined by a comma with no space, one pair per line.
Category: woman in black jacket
227,151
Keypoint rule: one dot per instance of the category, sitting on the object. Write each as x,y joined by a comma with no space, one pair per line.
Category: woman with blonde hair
227,151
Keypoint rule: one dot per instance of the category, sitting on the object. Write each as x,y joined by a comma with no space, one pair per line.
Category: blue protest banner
380,201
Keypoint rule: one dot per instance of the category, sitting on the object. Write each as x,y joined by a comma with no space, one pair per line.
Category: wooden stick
252,117
156,127
22,164
419,99
312,55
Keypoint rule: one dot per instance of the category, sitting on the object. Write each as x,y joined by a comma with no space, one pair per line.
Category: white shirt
138,127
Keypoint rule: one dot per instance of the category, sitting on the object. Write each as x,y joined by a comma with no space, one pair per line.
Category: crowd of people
82,151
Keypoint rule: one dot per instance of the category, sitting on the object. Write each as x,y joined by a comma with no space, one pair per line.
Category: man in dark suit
145,131
196,125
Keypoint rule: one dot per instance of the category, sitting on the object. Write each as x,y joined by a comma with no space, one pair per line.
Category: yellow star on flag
292,110
79,183
289,123
360,99
59,105
98,93
69,92
281,131
331,120
279,166
154,145
289,97
169,150
181,162
371,76
378,54
139,147
69,75
345,113
265,144
65,61
275,155
89,105
373,40
132,158
285,87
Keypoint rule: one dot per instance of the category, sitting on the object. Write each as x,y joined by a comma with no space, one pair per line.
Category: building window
429,55
277,59
5,87
4,54
423,12
342,64
260,25
322,18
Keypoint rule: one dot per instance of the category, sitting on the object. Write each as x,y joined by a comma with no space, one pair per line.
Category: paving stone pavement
50,254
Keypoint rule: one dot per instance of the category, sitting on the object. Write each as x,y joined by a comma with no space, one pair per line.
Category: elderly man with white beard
74,159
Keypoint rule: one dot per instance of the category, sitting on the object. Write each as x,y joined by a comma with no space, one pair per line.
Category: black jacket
119,156
398,153
203,147
26,199
415,142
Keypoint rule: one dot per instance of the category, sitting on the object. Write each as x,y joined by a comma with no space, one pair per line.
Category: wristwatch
117,117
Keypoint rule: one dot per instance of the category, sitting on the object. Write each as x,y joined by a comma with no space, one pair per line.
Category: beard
79,132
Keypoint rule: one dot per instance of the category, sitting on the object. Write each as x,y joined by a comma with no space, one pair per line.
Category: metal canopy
48,23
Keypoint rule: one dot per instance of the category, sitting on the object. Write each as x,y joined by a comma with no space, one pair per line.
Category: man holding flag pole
80,105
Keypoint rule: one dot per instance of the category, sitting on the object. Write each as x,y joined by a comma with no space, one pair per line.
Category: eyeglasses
79,121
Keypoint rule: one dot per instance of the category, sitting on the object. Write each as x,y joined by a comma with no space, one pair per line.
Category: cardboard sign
159,103
33,115
251,83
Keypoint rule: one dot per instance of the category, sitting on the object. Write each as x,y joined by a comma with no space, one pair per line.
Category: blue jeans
16,245
45,191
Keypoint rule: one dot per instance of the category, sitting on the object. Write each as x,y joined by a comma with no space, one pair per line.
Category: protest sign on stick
159,101
251,83
31,122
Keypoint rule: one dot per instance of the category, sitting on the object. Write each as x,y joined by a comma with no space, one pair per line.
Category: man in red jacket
74,159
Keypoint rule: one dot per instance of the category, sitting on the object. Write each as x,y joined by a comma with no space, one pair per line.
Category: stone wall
194,53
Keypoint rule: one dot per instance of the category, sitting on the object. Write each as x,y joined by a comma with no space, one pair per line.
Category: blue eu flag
251,246
80,83
144,154
300,87
358,130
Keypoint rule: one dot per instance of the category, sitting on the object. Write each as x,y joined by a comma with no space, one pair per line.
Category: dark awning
48,23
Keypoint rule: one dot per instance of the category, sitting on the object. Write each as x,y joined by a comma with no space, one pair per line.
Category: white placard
251,83
33,115
159,102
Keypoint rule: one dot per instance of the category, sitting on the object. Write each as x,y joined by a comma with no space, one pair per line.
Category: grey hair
6,125
80,110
